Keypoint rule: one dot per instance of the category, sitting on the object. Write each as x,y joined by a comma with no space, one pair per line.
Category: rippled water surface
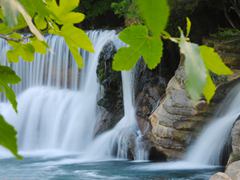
69,168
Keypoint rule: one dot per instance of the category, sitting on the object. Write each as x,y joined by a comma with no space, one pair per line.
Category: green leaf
140,44
8,137
125,59
9,94
134,35
39,46
27,52
209,89
188,29
76,54
10,12
213,61
40,22
8,76
72,18
76,37
194,68
67,5
12,56
11,9
152,52
155,13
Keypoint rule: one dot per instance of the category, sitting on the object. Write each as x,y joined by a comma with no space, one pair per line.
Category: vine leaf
140,44
8,137
75,39
155,13
125,59
26,51
188,28
213,61
195,69
11,8
63,11
209,89
8,76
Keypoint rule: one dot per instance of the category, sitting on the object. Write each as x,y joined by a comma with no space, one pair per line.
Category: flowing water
210,144
57,116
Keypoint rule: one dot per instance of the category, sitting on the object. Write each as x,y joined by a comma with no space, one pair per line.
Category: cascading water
116,141
209,146
58,103
57,108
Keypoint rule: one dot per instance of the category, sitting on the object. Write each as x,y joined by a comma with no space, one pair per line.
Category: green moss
226,33
234,157
128,10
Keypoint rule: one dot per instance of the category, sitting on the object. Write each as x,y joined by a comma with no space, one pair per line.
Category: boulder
175,120
220,176
233,170
235,155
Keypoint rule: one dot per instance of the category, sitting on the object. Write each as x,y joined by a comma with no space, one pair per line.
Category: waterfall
209,146
58,103
116,141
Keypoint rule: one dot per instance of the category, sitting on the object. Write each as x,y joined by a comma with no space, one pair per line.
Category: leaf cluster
146,41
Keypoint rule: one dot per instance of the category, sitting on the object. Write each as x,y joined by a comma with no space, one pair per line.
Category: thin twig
7,38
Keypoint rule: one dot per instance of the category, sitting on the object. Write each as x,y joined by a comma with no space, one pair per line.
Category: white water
116,141
209,146
58,103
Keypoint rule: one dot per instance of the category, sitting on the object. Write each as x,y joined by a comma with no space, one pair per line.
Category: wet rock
111,97
149,87
236,138
220,176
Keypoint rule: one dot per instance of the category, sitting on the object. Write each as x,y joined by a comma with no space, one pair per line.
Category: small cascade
141,153
209,146
116,142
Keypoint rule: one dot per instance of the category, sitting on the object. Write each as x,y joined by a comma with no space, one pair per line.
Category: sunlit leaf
194,68
40,22
8,76
213,61
39,46
11,9
8,137
209,89
188,29
76,37
155,13
140,44
125,59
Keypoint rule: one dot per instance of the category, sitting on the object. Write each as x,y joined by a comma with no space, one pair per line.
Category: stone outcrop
111,98
174,122
220,176
233,170
235,155
149,87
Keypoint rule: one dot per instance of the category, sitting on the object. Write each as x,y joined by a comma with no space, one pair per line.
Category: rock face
220,176
149,87
235,155
233,170
174,122
111,98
